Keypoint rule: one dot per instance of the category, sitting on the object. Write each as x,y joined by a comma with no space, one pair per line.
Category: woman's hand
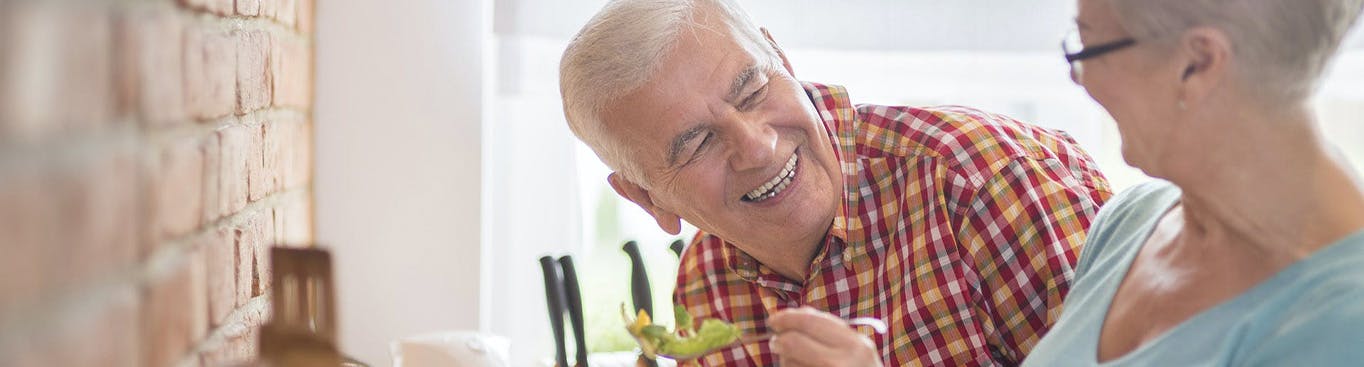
809,337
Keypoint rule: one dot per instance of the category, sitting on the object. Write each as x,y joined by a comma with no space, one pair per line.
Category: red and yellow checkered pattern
959,228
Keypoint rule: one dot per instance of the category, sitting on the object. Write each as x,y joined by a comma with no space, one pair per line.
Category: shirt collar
841,124
839,116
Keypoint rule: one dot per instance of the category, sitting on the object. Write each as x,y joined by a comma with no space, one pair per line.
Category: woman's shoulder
1123,220
1320,320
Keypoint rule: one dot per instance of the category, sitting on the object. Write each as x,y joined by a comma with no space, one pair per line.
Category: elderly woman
1250,250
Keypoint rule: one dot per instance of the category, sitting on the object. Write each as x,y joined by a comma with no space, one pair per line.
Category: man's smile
776,184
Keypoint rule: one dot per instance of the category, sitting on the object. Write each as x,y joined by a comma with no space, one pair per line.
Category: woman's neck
1270,184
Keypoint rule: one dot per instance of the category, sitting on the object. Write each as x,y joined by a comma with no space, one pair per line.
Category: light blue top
1309,314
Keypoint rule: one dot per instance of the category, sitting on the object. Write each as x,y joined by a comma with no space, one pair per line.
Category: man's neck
792,262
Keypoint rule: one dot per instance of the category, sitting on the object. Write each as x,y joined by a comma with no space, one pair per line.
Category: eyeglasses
1075,51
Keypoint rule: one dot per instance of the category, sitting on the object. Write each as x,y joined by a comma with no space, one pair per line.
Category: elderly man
957,227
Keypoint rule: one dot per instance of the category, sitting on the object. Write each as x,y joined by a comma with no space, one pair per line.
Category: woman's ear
1207,56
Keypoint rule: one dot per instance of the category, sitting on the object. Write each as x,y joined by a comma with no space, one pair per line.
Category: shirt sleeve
1020,233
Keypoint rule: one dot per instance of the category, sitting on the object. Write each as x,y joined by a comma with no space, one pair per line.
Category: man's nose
755,146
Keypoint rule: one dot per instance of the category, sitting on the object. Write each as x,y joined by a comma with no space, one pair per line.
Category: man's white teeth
776,184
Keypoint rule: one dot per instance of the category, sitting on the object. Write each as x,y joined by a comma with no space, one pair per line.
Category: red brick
104,333
74,222
219,7
195,4
88,100
14,352
58,73
151,53
28,98
64,225
276,135
248,8
287,12
149,186
258,184
255,235
109,337
253,71
99,215
64,195
221,260
198,301
267,8
175,317
291,61
211,150
210,72
235,144
179,197
265,230
27,221
245,264
222,7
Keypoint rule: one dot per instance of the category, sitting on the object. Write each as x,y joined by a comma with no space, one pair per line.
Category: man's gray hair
620,49
1283,46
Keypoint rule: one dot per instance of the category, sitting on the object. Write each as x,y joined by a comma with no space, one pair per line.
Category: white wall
399,111
882,25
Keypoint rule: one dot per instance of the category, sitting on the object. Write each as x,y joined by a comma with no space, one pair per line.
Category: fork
872,322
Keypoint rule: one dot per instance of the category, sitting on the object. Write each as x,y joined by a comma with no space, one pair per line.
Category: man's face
728,140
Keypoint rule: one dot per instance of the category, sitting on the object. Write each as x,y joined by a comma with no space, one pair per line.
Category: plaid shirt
959,228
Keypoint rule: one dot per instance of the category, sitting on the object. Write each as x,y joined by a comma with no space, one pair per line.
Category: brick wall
150,152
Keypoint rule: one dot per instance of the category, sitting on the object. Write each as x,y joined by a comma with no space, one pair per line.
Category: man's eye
700,147
754,98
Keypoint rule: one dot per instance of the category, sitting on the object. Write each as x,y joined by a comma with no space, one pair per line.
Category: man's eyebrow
678,142
741,81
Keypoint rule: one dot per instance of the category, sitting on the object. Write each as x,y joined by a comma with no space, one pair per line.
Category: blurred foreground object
303,329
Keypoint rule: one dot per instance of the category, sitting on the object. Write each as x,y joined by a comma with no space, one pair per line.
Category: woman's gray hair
620,49
1283,46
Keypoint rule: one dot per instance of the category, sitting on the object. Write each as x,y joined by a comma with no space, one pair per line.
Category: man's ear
668,221
1207,59
780,54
